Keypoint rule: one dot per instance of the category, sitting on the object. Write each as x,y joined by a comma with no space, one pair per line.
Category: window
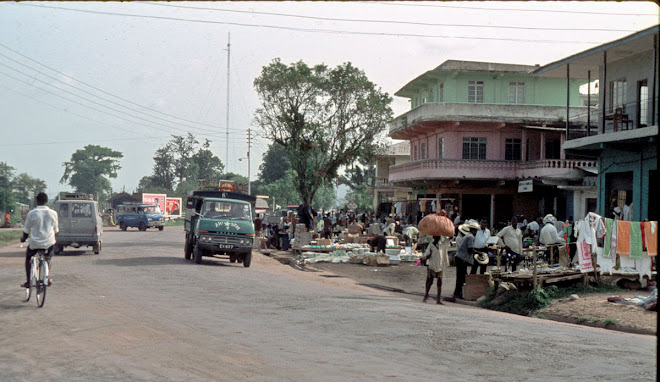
617,94
552,149
441,148
643,103
512,149
81,210
415,152
517,92
441,93
476,91
423,151
474,148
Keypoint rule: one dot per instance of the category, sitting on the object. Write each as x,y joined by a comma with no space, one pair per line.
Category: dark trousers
461,271
28,256
481,267
511,258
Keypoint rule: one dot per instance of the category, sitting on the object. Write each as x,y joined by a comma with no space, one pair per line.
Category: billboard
155,199
173,207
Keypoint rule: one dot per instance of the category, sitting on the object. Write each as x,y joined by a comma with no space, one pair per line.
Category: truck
219,223
79,222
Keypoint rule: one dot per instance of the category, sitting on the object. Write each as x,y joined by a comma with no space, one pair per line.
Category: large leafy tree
89,169
25,187
7,199
274,164
324,118
163,175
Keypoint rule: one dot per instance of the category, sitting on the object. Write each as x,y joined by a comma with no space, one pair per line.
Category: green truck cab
219,223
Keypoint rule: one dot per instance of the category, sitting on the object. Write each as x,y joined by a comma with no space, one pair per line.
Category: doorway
476,206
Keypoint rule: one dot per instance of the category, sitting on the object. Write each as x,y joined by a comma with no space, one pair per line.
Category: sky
128,75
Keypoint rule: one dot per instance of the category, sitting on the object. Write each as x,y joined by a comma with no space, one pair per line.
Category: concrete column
492,210
542,151
523,146
562,154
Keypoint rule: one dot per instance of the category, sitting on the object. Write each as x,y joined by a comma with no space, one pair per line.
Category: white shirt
438,257
512,238
389,230
481,237
41,225
549,235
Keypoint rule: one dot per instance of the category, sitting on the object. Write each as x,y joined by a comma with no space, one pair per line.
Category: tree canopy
89,169
324,118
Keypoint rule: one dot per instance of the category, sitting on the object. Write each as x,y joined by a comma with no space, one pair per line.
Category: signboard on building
155,199
352,205
526,186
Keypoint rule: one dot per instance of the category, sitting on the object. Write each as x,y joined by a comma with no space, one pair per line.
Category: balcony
489,169
479,112
617,119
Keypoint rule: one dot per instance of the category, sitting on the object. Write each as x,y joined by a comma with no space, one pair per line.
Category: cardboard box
475,286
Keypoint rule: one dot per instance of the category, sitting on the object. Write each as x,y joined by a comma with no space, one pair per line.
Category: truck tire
160,228
187,250
97,247
57,250
247,259
143,227
197,255
122,226
232,258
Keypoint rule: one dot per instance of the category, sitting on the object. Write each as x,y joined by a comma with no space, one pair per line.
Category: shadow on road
138,261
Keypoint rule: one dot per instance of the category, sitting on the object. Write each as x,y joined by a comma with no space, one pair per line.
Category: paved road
140,312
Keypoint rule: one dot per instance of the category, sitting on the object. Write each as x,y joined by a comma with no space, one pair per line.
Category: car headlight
205,238
149,219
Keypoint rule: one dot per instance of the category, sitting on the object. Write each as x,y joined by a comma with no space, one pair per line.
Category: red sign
584,257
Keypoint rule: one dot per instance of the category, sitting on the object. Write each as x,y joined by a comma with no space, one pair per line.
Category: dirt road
140,312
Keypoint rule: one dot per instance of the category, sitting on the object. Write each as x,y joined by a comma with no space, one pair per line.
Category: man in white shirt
40,226
480,245
511,236
549,235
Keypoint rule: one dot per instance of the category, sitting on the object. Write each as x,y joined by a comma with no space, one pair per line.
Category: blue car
141,216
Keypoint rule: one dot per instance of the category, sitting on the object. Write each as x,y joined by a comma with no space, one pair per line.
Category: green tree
325,198
7,200
183,148
274,164
282,191
150,185
362,198
324,118
89,169
208,165
163,175
26,187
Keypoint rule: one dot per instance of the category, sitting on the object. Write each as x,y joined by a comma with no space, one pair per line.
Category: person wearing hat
438,261
481,247
511,236
549,235
464,256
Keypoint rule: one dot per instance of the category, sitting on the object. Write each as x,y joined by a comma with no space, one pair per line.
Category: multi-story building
383,190
626,123
488,137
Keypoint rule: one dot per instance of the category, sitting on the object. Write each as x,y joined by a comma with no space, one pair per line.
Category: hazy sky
128,75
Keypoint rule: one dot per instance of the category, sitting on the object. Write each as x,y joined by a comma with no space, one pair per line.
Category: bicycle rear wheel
41,284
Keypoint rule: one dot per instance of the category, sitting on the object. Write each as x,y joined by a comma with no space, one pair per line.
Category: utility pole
227,121
248,160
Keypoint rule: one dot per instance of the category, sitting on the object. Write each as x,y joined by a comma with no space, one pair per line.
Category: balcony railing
618,118
488,169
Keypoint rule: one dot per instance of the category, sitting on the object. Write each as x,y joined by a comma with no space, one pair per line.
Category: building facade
385,192
622,133
487,138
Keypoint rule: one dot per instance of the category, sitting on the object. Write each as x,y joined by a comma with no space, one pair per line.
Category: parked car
80,222
141,216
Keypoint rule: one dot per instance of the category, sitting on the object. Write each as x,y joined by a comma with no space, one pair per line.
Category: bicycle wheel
41,284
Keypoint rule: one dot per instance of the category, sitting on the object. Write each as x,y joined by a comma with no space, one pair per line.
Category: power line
98,89
327,31
391,21
409,4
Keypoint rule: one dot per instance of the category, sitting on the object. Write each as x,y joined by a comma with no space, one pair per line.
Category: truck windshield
226,210
147,210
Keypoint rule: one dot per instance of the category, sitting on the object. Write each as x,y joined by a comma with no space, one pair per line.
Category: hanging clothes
615,229
606,263
635,240
651,236
607,244
623,238
643,266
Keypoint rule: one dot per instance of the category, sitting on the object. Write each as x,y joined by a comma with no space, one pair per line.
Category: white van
80,222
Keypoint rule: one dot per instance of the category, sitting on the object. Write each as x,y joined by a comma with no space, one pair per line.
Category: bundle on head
436,225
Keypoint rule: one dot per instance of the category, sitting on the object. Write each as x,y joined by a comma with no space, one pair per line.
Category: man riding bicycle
41,226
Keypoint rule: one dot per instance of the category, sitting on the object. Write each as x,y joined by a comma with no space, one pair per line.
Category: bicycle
39,271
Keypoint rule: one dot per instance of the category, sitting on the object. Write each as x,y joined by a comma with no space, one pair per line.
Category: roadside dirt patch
595,310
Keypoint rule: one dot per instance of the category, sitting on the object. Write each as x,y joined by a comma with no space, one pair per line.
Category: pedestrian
550,237
41,225
438,261
464,256
481,245
511,236
378,243
327,226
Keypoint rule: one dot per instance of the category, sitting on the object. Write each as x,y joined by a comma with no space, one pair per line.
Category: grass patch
175,223
7,237
526,303
610,321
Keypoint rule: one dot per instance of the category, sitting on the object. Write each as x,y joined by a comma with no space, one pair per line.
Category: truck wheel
247,259
97,247
197,255
57,250
122,226
161,228
187,250
143,227
232,258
